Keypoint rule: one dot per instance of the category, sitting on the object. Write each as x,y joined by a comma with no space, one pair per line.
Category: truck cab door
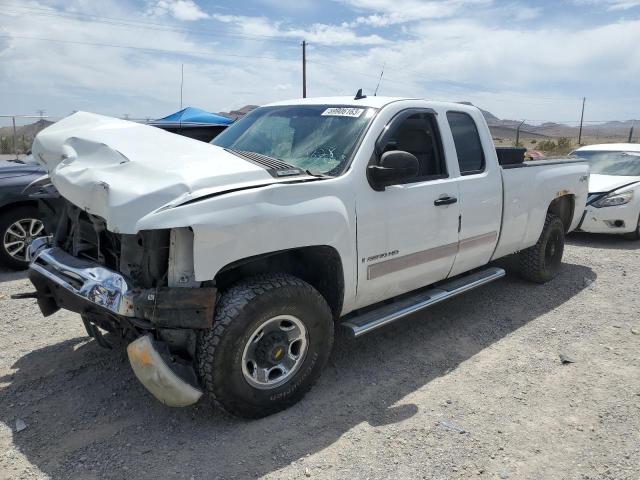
480,190
407,233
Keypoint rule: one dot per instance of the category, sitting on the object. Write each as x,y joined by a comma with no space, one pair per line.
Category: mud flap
157,377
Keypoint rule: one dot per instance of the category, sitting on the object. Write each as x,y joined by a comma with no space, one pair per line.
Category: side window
418,134
467,141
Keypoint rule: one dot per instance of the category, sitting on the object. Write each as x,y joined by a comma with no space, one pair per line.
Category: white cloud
468,60
185,10
610,5
61,77
392,12
525,13
317,33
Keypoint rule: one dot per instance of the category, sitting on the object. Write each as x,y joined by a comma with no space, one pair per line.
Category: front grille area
141,258
86,236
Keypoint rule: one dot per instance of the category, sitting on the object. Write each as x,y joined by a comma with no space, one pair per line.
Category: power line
139,24
148,49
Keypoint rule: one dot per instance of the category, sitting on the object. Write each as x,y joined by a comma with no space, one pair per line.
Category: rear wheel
541,262
18,228
271,337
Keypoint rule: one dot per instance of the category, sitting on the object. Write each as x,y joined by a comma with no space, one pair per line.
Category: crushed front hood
606,183
122,171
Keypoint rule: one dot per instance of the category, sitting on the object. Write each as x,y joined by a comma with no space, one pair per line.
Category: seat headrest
414,140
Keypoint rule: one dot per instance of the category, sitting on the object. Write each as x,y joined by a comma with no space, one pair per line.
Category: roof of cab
612,147
369,101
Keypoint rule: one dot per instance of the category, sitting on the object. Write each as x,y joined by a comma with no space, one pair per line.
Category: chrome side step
388,313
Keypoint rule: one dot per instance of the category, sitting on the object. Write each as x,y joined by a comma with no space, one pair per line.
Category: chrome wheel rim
274,352
20,235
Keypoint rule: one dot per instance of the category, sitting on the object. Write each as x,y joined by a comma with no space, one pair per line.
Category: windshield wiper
281,168
274,166
317,174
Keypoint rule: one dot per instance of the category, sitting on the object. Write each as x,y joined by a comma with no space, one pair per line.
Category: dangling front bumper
159,378
64,281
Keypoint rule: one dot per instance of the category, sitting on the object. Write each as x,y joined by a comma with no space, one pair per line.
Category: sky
520,60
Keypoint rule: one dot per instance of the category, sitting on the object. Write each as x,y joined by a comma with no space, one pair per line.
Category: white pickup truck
226,267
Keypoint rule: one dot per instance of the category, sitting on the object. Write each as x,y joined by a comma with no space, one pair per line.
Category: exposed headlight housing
614,199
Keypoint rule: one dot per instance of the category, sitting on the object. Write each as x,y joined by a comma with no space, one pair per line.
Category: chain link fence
18,131
562,139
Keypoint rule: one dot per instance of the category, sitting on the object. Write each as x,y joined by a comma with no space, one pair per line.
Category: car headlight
614,199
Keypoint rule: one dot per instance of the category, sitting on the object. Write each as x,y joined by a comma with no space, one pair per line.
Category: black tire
7,219
542,262
241,310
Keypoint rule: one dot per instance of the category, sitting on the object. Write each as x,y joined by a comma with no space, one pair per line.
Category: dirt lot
473,388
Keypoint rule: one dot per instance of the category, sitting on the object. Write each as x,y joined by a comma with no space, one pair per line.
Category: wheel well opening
319,266
563,207
14,205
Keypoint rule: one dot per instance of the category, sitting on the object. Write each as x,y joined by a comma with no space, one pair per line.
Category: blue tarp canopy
192,116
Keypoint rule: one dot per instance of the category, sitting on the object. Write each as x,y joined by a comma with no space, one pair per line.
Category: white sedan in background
613,205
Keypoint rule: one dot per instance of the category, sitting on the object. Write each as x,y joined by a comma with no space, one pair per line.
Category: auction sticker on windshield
343,112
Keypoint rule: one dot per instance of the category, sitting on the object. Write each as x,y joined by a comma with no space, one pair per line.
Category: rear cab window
467,142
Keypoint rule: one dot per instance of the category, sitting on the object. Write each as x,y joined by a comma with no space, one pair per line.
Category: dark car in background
20,219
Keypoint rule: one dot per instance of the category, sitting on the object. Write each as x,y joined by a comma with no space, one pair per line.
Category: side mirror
396,166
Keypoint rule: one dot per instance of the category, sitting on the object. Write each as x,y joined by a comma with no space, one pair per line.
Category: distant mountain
500,128
241,112
29,131
488,116
504,128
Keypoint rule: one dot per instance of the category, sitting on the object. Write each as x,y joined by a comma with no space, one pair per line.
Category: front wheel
271,337
541,262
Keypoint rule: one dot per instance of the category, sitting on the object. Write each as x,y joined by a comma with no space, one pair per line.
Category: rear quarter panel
528,191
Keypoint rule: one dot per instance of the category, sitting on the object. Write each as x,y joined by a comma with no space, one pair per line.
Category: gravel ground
473,388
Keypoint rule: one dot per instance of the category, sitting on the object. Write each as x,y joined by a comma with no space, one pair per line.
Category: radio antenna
379,80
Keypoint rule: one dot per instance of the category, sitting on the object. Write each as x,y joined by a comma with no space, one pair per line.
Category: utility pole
181,84
304,69
584,99
15,137
518,133
631,133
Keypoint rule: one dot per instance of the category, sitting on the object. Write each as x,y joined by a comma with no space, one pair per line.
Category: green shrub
564,145
547,146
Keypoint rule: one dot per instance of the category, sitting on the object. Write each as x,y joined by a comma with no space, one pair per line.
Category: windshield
318,138
612,163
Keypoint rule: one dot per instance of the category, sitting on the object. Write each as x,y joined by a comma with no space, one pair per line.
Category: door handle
445,201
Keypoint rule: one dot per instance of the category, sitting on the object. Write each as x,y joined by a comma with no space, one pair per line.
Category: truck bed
541,163
528,189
